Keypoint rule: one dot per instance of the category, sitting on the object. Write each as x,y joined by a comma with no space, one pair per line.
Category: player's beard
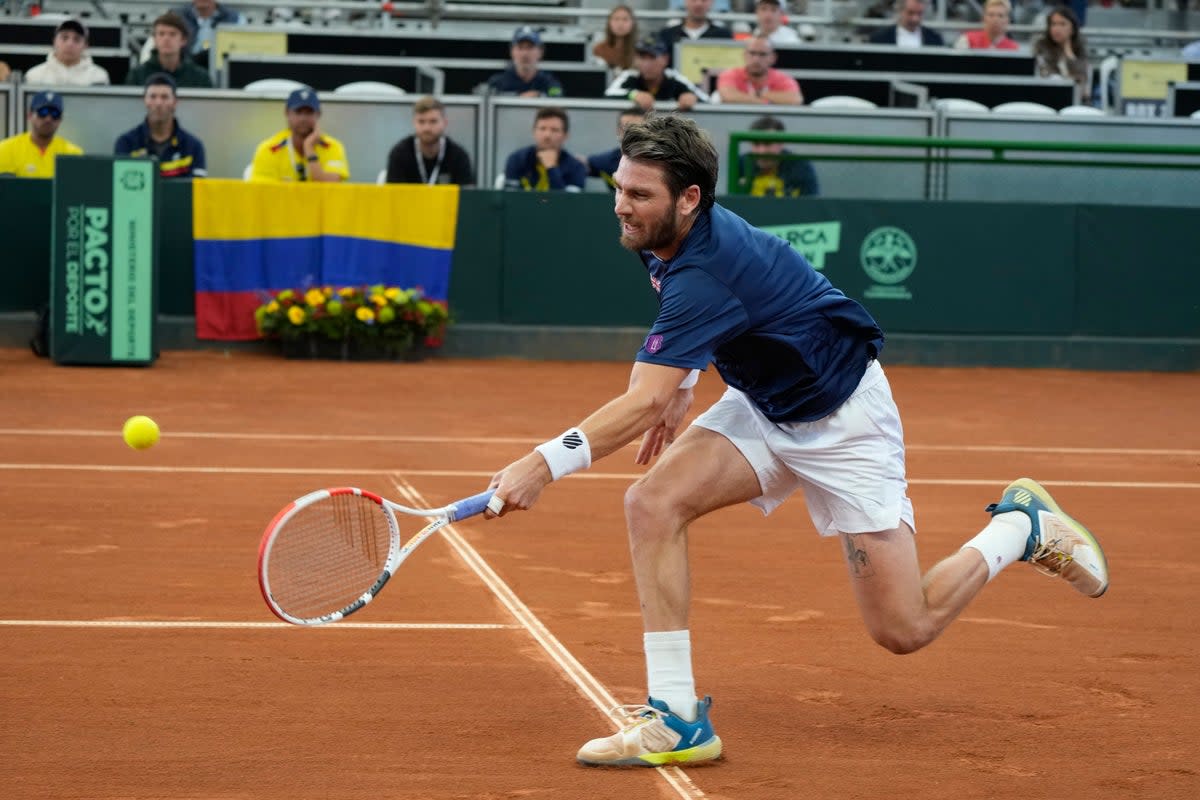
652,235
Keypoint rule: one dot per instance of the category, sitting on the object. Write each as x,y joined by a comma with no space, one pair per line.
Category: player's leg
867,506
902,611
700,472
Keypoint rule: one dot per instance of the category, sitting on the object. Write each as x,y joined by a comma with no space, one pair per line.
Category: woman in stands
994,33
1062,50
614,47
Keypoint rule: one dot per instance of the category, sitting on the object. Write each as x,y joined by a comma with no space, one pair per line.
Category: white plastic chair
1023,107
841,101
1080,111
499,182
273,85
1195,114
958,104
368,88
247,172
381,178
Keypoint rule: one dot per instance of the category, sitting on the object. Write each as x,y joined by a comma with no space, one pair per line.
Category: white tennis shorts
850,464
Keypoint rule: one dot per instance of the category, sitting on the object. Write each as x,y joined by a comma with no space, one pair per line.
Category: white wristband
567,453
691,380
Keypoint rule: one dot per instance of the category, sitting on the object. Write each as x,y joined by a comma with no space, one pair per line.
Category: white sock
1003,541
669,671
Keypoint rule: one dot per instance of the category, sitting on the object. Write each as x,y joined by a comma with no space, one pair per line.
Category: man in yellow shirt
31,154
301,152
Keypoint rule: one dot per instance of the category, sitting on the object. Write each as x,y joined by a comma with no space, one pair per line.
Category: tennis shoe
655,736
1058,545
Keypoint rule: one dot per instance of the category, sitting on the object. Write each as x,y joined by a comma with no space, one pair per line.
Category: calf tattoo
856,557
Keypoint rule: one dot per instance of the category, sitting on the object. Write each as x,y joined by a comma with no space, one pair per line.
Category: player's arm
653,389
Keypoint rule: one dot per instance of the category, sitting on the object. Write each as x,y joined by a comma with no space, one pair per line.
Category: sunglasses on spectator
760,53
48,111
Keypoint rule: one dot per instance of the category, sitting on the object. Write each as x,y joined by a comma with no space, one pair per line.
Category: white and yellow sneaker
654,736
1058,545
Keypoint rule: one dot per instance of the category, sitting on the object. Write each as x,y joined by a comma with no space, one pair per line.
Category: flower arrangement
383,320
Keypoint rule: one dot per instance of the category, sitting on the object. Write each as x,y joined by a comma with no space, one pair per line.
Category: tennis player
808,407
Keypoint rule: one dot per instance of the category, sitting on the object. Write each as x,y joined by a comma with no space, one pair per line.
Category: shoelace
636,714
1050,558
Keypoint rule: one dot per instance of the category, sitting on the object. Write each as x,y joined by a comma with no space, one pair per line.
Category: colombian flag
252,239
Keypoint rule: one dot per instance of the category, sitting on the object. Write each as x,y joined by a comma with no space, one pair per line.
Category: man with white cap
68,63
770,14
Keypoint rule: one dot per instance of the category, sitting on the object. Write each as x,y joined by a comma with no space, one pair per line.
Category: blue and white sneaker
655,736
1058,545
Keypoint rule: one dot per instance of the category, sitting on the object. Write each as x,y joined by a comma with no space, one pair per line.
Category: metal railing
940,151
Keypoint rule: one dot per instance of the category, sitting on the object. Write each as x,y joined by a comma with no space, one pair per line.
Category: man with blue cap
524,77
160,136
31,154
300,152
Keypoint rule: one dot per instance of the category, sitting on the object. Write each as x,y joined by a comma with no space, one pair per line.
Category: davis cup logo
889,257
654,343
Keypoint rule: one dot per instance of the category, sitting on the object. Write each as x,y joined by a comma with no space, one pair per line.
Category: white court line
589,475
414,439
587,683
192,623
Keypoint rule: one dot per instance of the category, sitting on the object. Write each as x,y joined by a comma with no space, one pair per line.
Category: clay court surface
139,661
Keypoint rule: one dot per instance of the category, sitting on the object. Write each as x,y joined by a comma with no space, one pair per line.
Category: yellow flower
347,291
379,300
272,307
365,314
286,294
296,315
314,297
393,294
327,291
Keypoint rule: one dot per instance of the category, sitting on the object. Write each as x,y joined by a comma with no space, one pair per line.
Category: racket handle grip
471,506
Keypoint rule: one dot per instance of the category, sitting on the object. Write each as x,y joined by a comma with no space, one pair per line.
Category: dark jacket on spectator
929,37
187,74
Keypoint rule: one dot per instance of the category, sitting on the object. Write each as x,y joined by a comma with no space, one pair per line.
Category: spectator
770,23
908,30
429,156
524,77
179,154
31,154
68,63
546,165
994,34
202,18
758,82
1062,50
765,172
695,25
170,55
604,165
653,81
300,152
5,71
614,47
1191,52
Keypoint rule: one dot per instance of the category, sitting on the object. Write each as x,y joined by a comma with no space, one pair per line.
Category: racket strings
327,554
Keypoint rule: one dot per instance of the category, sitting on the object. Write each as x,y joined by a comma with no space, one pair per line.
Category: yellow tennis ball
140,432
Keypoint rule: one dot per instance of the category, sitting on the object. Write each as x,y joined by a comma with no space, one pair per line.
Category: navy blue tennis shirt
774,327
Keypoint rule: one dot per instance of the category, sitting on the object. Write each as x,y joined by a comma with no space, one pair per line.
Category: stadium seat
841,101
247,172
1195,114
273,85
1023,107
1080,111
368,88
1108,66
958,104
381,178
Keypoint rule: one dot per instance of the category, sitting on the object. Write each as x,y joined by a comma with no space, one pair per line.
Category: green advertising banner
103,270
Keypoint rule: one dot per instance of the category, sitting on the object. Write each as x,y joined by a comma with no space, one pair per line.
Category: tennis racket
329,553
